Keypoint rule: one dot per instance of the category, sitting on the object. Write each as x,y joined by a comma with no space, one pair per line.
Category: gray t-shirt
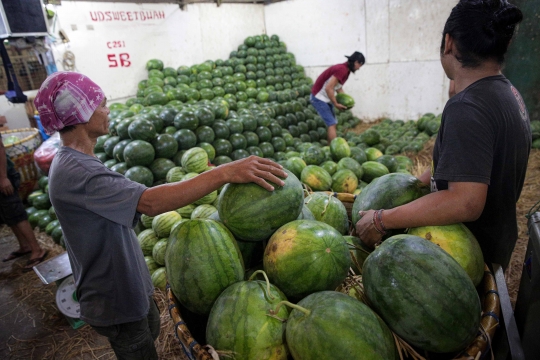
97,209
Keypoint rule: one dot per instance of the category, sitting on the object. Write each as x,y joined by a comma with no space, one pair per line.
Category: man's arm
462,202
329,88
5,185
168,197
340,91
426,177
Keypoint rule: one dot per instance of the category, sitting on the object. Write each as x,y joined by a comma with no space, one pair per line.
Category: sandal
16,254
33,262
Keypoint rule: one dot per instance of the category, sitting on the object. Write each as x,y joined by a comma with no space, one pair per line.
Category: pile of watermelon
261,268
243,268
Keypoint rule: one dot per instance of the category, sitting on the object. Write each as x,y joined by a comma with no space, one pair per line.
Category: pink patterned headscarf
67,98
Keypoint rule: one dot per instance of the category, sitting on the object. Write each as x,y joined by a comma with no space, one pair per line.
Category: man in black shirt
482,149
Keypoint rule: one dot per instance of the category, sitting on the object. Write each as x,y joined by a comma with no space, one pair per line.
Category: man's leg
331,133
135,340
27,239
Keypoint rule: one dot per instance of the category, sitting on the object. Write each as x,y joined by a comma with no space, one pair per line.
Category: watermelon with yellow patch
458,241
316,178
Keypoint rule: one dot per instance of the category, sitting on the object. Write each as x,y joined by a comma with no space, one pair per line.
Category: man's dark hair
482,30
356,56
66,129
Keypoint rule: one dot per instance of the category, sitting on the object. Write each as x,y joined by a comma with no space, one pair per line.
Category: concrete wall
402,77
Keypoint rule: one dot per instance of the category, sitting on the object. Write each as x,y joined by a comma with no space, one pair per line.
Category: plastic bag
44,154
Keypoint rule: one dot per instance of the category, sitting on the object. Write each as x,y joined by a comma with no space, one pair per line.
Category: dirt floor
31,327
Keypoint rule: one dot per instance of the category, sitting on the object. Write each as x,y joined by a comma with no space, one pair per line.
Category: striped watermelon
253,213
203,211
328,209
158,252
202,260
305,256
195,160
207,199
332,325
159,278
422,293
186,211
239,321
147,240
162,223
175,174
151,264
147,221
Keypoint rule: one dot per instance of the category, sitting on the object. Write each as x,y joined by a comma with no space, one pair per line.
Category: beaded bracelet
380,220
378,226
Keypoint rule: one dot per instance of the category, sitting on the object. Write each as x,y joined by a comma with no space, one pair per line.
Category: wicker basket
22,155
481,344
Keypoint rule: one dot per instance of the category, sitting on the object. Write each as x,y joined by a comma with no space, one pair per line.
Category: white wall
402,77
178,37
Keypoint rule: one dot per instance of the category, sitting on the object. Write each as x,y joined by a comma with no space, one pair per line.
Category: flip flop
33,262
16,254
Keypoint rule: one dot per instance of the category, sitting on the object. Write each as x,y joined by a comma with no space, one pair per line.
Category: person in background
482,148
331,81
98,208
12,213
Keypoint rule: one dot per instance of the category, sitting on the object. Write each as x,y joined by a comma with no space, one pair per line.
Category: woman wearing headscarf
482,148
98,209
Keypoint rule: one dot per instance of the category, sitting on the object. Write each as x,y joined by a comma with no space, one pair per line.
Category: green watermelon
422,293
305,256
151,264
332,325
147,240
147,221
57,234
387,192
316,178
159,278
253,213
41,202
329,166
389,161
295,165
207,199
339,148
160,168
351,164
373,153
344,181
202,260
306,214
195,160
162,223
175,174
373,170
186,211
158,252
142,129
203,211
140,174
165,146
459,242
51,226
345,100
328,209
139,152
239,322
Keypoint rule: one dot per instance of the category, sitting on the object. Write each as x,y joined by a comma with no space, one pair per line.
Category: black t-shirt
485,137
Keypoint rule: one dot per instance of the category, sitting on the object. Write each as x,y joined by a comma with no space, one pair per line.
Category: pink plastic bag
44,154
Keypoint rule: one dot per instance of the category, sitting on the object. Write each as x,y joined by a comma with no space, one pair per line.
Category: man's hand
254,169
365,229
340,107
5,186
